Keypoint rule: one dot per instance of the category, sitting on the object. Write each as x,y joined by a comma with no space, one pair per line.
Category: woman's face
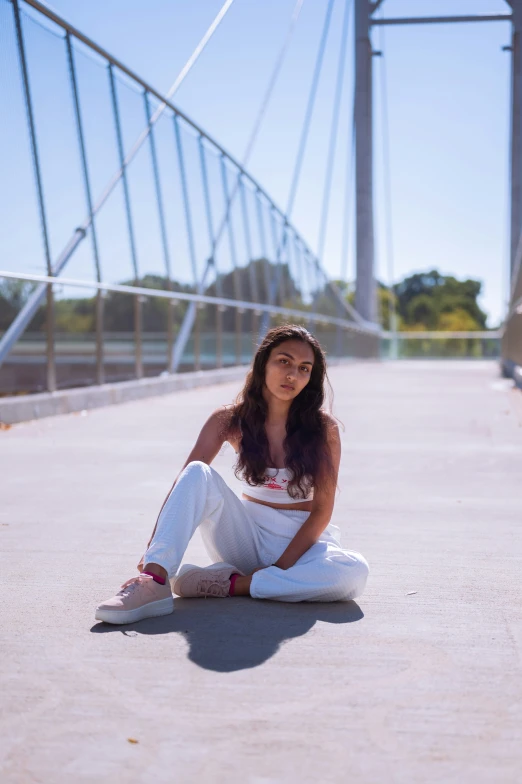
288,369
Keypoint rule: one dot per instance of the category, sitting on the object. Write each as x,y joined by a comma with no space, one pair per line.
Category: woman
276,542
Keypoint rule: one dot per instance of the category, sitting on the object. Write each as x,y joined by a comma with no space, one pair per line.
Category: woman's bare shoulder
222,415
224,419
331,422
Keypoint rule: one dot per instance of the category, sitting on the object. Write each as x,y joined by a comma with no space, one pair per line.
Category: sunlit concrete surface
417,681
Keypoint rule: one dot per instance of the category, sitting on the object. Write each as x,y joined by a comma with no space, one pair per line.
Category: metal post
206,193
274,286
189,320
100,320
138,349
157,187
309,277
516,133
315,283
265,323
51,360
254,288
279,246
50,326
187,325
233,256
338,334
287,267
296,270
197,338
130,227
138,322
299,266
186,203
305,277
100,374
171,310
212,259
162,222
284,274
220,309
365,294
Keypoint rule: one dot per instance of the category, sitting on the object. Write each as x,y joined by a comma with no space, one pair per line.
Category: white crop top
274,488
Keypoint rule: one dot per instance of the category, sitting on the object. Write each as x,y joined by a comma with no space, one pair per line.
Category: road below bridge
419,680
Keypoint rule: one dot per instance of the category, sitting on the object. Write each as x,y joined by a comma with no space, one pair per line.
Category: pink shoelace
133,583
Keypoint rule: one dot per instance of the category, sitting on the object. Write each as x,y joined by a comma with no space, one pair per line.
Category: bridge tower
365,291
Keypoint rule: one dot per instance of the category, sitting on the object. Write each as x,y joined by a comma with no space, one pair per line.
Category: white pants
246,535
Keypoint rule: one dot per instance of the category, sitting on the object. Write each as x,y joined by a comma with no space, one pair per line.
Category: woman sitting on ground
276,542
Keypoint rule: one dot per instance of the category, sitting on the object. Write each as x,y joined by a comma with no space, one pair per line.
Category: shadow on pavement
240,633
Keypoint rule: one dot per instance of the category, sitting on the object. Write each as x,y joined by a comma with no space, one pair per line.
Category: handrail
441,335
26,314
257,307
202,298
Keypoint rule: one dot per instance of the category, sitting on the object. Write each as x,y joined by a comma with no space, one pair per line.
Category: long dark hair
305,445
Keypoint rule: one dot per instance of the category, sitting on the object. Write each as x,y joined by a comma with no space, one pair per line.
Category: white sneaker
140,597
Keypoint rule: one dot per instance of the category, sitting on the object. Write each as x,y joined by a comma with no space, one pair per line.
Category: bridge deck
417,681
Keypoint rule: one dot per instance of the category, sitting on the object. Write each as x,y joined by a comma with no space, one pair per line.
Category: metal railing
178,218
188,259
145,347
434,344
135,352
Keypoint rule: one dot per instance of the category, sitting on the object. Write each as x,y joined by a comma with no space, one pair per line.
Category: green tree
424,297
424,301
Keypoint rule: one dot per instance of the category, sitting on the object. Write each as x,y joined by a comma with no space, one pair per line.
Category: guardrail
144,352
171,201
147,347
173,204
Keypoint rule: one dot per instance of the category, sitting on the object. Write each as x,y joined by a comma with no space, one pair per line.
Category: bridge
156,277
168,256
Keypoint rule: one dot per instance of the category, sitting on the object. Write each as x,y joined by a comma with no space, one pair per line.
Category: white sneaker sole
150,610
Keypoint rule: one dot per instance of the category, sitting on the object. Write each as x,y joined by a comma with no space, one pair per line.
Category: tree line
423,301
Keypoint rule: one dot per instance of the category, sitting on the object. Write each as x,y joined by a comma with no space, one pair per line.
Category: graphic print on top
274,488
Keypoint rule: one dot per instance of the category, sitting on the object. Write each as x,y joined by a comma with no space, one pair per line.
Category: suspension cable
334,131
199,48
281,242
347,212
264,105
309,110
275,74
161,108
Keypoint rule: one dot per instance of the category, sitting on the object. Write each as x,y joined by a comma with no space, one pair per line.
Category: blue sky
448,106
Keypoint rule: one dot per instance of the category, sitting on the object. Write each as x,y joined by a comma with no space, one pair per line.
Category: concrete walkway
417,681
